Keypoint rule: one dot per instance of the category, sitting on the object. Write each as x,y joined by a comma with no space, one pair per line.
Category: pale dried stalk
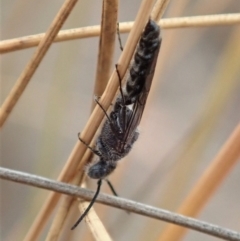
202,21
66,204
58,223
95,119
51,201
105,57
103,72
106,45
159,9
95,225
121,203
208,183
219,95
94,31
175,9
62,213
31,67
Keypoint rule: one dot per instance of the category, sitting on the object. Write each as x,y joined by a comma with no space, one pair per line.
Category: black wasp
119,131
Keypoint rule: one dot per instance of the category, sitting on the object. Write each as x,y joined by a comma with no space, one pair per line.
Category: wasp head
101,169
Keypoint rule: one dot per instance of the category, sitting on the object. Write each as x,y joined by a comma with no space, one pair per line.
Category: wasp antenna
89,206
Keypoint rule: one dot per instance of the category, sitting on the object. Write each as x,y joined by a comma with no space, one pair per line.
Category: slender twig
31,67
121,203
94,31
207,184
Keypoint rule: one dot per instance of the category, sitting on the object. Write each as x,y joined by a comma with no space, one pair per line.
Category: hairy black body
119,131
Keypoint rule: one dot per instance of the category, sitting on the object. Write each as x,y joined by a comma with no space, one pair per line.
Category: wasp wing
138,107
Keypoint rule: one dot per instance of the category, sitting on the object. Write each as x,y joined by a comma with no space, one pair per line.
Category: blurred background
192,109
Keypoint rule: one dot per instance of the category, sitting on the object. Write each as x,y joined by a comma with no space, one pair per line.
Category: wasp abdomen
143,59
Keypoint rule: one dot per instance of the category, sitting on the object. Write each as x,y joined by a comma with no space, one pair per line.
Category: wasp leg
89,147
119,37
111,187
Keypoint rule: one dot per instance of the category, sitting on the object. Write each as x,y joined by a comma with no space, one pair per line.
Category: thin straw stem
106,45
94,31
159,9
62,213
207,184
31,67
105,57
121,203
95,225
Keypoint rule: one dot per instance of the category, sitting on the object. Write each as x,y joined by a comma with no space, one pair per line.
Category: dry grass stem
122,203
207,184
95,119
62,213
202,21
161,170
159,9
106,45
95,225
105,57
52,199
220,92
67,201
31,67
94,31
